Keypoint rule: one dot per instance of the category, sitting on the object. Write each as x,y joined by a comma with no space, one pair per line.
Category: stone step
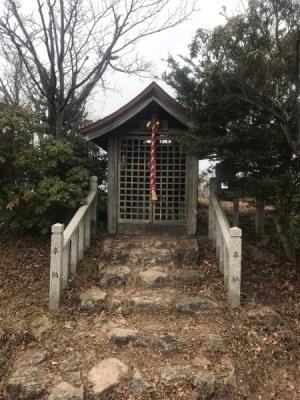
150,251
152,277
32,378
109,373
159,277
165,336
165,299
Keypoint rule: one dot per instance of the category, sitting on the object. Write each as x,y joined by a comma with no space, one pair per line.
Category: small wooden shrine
152,184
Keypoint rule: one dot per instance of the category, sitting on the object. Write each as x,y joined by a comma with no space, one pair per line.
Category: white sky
155,49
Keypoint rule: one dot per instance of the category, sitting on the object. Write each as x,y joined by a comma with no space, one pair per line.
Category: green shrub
43,180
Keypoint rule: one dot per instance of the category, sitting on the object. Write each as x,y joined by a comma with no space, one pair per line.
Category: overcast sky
156,48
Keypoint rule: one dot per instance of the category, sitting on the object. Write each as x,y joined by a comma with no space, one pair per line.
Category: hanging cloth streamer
154,127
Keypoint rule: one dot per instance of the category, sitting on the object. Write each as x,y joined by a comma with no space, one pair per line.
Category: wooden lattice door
170,176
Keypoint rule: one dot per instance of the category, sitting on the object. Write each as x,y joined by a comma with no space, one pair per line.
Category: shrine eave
152,93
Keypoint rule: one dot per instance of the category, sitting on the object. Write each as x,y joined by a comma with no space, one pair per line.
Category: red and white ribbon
154,125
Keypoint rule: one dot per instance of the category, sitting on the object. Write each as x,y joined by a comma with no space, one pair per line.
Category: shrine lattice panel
170,176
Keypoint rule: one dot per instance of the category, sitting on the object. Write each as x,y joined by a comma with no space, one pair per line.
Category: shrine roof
151,94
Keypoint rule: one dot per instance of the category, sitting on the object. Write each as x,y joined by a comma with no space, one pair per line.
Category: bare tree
67,46
12,77
297,144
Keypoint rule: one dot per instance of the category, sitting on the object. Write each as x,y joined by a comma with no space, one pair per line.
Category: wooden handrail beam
222,220
73,224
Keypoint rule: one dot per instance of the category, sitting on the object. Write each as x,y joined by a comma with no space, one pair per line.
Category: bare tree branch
67,46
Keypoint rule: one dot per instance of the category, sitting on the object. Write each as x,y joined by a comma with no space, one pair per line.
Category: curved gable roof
153,92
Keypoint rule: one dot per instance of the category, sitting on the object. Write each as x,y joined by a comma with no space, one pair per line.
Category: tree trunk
59,124
51,120
55,122
298,85
281,221
287,244
298,89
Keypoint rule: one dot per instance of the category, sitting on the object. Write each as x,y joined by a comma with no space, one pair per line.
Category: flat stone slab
92,300
188,277
172,375
150,256
157,277
228,378
150,302
122,336
165,299
196,305
28,379
28,382
186,252
265,316
30,357
213,341
39,326
118,275
205,384
202,362
65,391
204,381
106,375
151,251
139,384
116,251
154,278
167,342
73,364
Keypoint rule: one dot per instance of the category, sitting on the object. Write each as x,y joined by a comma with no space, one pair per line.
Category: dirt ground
267,362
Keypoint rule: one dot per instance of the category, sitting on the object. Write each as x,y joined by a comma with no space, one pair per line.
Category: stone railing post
234,267
94,188
56,265
226,264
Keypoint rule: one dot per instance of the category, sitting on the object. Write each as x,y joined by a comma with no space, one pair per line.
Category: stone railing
228,244
68,245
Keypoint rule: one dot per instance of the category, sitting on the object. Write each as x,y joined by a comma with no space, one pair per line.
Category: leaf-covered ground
267,361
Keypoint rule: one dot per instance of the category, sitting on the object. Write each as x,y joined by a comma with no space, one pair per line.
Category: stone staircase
147,328
148,287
